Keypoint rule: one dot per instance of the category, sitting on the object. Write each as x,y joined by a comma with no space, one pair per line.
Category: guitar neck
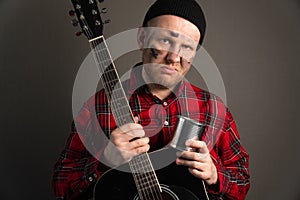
111,82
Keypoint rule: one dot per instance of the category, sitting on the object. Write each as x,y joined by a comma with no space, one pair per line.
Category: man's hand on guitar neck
126,142
199,162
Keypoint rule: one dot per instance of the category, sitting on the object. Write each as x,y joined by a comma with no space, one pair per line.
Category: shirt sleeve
78,167
232,162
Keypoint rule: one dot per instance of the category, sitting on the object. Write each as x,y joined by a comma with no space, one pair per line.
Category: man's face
169,45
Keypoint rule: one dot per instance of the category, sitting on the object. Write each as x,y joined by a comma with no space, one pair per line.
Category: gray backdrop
255,45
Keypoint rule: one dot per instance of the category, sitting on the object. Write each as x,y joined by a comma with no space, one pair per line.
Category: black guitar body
176,181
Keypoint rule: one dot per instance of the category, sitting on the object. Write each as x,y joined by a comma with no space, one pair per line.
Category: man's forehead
175,24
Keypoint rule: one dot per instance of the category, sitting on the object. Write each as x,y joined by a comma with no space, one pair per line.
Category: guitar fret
100,50
110,84
142,167
104,63
142,161
144,179
120,101
117,93
108,71
146,186
125,119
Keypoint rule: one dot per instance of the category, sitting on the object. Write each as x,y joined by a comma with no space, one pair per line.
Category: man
172,32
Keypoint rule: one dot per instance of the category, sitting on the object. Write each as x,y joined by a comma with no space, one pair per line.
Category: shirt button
90,179
95,175
166,123
165,103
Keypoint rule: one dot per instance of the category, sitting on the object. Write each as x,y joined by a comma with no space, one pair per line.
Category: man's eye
186,47
165,41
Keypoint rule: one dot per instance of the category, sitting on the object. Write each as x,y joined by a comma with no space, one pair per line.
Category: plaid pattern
78,168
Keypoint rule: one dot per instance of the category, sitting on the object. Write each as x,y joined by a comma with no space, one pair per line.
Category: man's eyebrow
174,34
179,35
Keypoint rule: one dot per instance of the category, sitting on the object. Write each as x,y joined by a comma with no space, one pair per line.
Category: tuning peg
78,33
104,10
107,21
71,13
74,22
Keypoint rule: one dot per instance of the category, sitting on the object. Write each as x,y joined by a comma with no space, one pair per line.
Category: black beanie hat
187,9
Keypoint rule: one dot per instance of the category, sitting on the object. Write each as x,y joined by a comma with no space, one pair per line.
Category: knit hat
187,9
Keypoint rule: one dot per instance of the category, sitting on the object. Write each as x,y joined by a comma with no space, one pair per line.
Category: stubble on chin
158,79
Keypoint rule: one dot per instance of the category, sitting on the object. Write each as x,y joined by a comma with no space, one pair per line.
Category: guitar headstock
89,17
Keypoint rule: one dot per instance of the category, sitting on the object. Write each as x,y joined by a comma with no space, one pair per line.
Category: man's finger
200,145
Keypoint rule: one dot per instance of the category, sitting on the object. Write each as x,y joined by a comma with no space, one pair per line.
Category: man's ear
141,37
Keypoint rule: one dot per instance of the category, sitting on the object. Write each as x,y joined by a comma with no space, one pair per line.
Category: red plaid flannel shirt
78,168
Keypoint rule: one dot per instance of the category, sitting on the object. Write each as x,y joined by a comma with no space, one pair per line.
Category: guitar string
154,180
100,62
124,109
153,183
108,77
148,181
141,177
114,77
105,77
153,174
142,194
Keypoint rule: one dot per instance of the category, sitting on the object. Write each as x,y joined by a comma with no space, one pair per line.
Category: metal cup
186,129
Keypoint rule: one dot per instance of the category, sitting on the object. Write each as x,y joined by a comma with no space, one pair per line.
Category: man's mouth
168,70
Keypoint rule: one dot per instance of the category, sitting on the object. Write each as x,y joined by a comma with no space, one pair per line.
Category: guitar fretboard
111,82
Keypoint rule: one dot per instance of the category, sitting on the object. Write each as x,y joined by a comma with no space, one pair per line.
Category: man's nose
174,55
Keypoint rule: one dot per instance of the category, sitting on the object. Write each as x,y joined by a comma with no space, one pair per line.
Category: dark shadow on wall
297,2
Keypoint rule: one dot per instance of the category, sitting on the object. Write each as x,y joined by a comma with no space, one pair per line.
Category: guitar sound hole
167,194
